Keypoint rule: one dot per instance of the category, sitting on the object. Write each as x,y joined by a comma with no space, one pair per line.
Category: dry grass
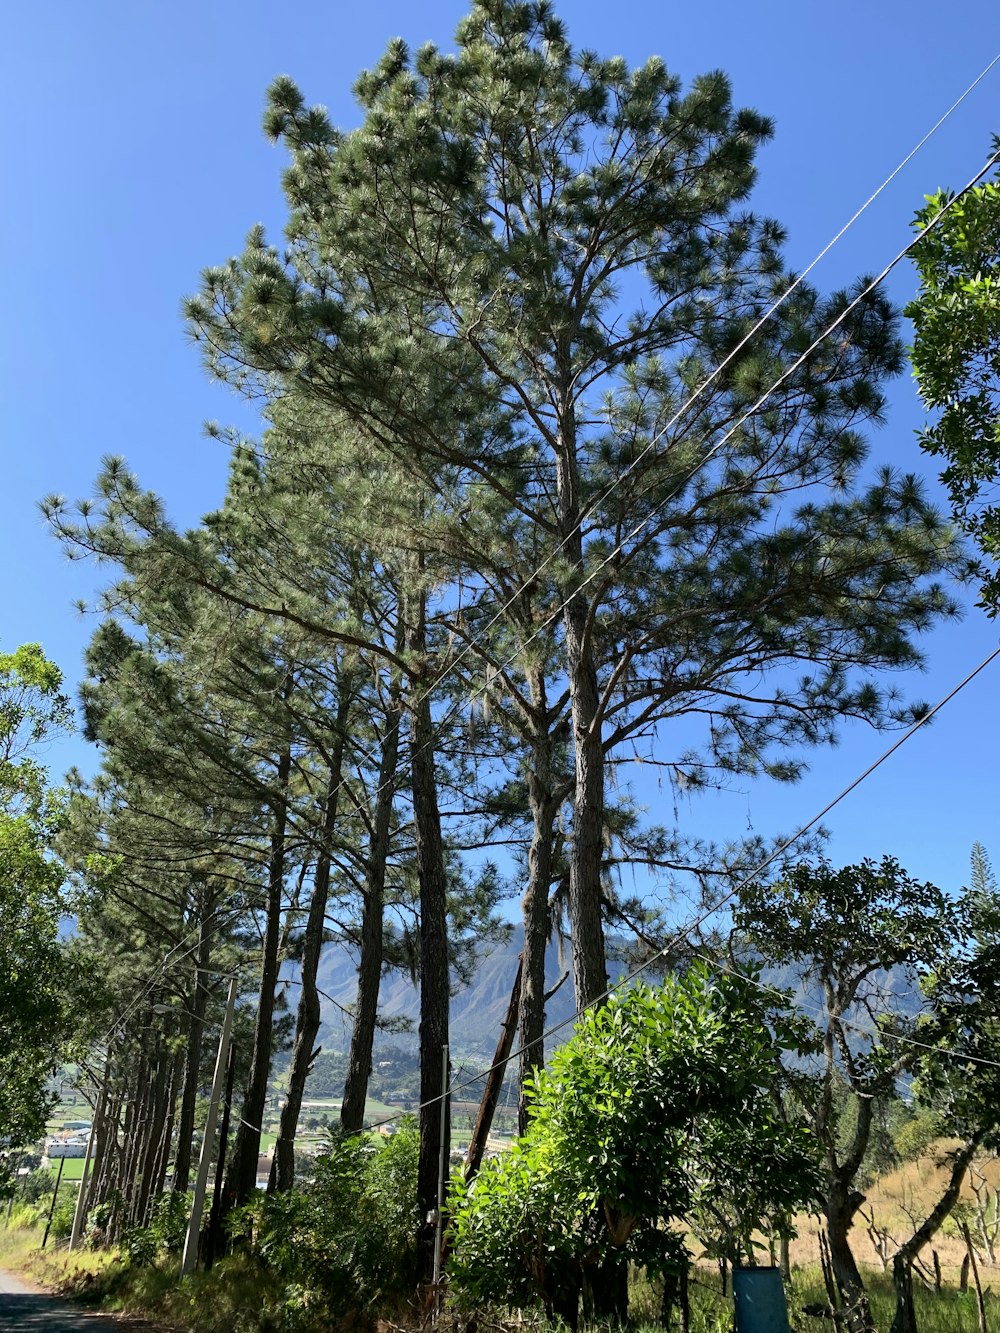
897,1203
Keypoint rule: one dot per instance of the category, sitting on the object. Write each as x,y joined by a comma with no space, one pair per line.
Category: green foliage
659,1107
166,1231
35,971
956,358
347,1240
915,1134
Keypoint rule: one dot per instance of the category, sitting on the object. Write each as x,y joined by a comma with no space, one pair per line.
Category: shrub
347,1240
658,1106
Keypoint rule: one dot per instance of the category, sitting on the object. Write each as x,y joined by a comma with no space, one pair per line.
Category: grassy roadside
234,1296
229,1299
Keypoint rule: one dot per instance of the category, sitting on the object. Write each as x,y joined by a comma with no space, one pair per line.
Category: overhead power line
875,1034
681,935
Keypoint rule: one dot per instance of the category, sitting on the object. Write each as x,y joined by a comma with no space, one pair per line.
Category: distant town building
67,1144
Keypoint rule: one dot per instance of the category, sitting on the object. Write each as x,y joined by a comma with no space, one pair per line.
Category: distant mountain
478,1008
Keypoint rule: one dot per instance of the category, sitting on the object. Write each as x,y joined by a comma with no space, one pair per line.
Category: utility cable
947,1052
683,934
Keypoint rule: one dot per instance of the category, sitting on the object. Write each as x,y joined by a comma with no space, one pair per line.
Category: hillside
478,1007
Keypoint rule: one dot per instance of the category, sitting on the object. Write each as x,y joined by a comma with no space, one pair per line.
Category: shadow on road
37,1313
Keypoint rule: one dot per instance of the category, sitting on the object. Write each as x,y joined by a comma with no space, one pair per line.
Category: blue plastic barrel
759,1296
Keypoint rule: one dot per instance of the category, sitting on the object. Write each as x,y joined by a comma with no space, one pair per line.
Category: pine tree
511,278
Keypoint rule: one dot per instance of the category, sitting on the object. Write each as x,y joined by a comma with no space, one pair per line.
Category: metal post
80,1212
442,1175
52,1205
190,1256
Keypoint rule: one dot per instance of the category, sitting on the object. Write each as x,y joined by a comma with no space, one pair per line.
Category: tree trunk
241,1179
904,1320
494,1078
359,1056
842,1204
590,973
308,1016
535,904
609,1289
196,1005
434,978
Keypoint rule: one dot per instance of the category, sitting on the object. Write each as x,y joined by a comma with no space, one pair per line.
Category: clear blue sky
132,157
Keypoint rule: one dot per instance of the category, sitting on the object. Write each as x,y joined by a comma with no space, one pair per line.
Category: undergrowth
241,1295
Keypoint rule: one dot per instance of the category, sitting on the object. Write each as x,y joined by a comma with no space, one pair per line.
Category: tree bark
590,973
434,977
241,1179
197,1003
494,1078
308,1017
359,1056
535,904
156,1116
163,1153
842,1204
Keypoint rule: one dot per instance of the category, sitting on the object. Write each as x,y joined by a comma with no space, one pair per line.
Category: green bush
62,1217
37,1186
657,1111
169,1224
347,1240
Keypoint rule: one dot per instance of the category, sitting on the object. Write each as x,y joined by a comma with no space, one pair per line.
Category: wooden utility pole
189,1259
494,1079
80,1212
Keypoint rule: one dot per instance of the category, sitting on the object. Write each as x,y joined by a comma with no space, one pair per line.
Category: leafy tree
957,1064
859,939
659,1105
956,358
37,995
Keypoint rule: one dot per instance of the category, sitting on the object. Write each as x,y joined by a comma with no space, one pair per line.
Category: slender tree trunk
590,972
241,1179
970,1254
535,916
494,1078
166,1138
359,1057
535,904
434,977
308,1017
904,1320
196,1005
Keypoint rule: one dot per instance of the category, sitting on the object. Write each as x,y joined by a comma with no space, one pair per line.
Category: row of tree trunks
359,1057
241,1177
308,1015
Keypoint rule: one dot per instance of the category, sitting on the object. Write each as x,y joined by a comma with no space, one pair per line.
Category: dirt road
25,1309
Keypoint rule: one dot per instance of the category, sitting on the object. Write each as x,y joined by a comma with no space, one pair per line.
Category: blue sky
132,158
